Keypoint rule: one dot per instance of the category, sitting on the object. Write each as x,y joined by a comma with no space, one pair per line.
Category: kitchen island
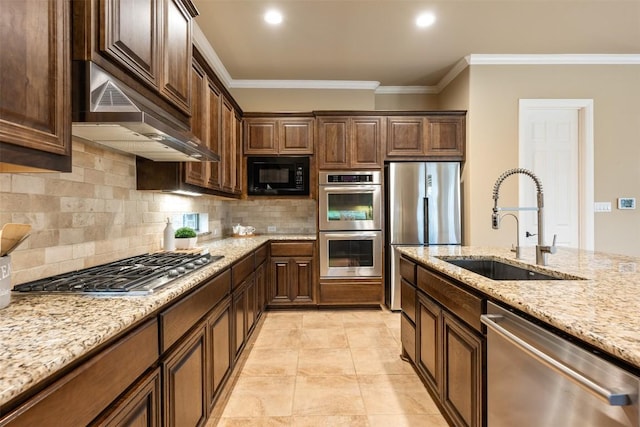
601,310
44,336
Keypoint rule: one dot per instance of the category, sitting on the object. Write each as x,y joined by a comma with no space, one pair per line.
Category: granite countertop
41,334
601,310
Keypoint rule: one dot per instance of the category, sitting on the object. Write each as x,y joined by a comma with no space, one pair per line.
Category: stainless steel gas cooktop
137,275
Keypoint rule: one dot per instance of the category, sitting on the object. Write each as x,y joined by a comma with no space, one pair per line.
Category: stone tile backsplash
94,214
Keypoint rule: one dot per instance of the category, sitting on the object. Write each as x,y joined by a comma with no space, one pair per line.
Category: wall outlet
602,207
271,229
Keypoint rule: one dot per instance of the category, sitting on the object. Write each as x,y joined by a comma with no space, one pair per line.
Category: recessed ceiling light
425,20
273,17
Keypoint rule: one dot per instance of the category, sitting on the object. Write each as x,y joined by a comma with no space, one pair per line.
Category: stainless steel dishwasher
536,378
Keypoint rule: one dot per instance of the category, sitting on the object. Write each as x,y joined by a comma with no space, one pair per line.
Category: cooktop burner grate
141,274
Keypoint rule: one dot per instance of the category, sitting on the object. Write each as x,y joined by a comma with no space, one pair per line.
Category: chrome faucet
541,249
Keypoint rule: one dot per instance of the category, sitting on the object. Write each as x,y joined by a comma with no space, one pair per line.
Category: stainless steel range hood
108,112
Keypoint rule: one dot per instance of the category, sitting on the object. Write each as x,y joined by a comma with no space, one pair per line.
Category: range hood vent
108,112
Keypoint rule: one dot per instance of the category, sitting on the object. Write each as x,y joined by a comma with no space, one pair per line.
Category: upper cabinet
35,75
144,42
278,135
439,135
350,142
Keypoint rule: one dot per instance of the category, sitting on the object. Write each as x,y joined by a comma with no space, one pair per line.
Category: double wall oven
350,224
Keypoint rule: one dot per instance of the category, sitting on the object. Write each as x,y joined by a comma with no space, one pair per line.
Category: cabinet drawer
292,249
243,269
180,317
261,255
408,270
80,396
463,304
408,300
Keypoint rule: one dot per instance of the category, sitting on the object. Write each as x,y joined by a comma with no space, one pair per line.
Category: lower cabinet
292,273
139,407
184,374
450,347
219,355
240,304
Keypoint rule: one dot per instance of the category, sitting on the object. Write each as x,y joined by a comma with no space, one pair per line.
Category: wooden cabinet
184,373
292,273
230,154
278,135
350,142
450,346
35,100
428,135
138,407
219,354
144,42
196,173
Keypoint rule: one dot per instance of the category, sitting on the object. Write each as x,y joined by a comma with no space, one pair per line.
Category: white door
553,146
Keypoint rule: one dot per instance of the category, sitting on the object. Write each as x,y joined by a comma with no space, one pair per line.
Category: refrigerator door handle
425,226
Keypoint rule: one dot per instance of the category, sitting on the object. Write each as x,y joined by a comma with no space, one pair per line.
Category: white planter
186,243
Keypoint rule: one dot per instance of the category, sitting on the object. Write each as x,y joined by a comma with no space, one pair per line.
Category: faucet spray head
495,219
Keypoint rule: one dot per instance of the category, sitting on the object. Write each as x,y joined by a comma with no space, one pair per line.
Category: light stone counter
41,334
603,310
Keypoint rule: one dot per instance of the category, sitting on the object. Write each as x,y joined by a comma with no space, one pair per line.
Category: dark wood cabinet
144,42
433,135
278,135
219,354
138,407
196,173
429,352
229,156
350,142
292,273
184,378
35,98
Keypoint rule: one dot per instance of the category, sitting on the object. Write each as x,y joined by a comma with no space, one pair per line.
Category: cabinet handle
610,397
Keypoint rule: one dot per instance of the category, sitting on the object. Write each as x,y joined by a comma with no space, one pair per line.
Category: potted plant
185,238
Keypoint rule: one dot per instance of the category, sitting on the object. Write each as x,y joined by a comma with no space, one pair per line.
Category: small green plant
185,233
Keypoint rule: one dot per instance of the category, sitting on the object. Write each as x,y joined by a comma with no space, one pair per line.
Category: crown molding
555,59
404,90
305,84
205,48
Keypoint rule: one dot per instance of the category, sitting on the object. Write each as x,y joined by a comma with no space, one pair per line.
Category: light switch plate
602,206
627,203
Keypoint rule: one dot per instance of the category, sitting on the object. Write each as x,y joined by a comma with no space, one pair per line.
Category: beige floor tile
279,338
324,338
322,319
395,394
330,395
331,421
367,337
271,362
285,320
380,361
325,361
404,420
364,318
255,422
260,397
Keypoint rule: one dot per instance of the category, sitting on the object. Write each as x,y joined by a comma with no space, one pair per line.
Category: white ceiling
377,40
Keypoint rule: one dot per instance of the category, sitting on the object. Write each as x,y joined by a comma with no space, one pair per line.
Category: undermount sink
497,270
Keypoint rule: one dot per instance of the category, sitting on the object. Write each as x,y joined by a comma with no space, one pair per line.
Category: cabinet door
445,136
214,138
462,371
429,337
333,143
219,343
176,47
196,172
237,184
261,136
261,289
301,281
129,36
228,137
280,280
35,104
366,142
184,373
139,407
251,303
239,311
295,136
405,137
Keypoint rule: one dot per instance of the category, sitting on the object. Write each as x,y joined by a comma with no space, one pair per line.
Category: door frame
585,157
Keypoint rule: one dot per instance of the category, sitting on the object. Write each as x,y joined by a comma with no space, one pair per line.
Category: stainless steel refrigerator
422,208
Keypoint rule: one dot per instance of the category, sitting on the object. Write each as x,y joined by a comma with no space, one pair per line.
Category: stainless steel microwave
283,175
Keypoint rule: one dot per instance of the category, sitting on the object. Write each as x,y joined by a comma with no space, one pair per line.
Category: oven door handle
613,398
358,235
352,189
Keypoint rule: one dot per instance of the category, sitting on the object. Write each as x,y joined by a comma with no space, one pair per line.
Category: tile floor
328,368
